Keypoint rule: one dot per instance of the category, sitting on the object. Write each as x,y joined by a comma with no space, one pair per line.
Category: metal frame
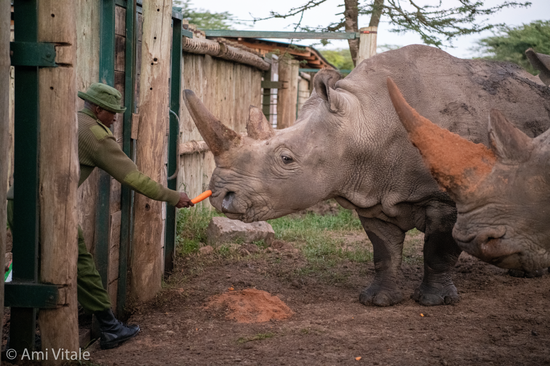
26,200
175,94
127,195
106,76
286,35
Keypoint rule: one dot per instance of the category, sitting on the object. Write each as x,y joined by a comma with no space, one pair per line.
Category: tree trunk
351,14
376,13
59,173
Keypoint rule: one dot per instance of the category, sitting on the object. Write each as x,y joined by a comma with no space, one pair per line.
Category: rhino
501,191
348,144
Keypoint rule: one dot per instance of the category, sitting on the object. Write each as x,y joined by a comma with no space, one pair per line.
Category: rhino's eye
287,159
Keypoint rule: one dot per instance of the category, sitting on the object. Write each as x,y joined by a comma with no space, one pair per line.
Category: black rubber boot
113,332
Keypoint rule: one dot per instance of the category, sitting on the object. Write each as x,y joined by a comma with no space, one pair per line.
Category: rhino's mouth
486,244
229,207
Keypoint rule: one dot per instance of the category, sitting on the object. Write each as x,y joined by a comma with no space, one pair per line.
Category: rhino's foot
431,296
379,295
528,274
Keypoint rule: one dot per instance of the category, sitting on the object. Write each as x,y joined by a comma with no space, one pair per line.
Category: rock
206,250
223,230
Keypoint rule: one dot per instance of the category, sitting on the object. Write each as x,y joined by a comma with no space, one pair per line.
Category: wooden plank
135,126
118,126
59,173
367,43
153,111
120,21
120,51
114,240
303,92
282,49
287,97
87,53
5,156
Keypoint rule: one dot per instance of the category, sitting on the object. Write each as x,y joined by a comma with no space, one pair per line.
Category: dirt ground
500,320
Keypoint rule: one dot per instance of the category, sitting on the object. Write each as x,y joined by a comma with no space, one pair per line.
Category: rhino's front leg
440,255
387,241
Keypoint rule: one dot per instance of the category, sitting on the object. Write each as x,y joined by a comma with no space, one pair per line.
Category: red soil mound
250,306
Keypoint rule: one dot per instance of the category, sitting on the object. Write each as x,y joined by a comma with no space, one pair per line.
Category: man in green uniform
97,147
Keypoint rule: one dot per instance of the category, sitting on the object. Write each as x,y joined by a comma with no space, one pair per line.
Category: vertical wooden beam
153,117
87,55
5,14
288,92
367,43
59,173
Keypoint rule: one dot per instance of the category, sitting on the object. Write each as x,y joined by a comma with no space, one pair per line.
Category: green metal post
107,76
126,202
26,175
175,93
266,101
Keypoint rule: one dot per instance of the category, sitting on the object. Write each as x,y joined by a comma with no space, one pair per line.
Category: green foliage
191,228
437,24
510,43
204,19
341,58
317,237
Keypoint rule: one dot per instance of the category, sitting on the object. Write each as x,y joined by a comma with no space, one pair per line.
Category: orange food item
204,195
357,358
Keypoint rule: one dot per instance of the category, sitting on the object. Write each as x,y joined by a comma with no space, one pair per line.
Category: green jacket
97,147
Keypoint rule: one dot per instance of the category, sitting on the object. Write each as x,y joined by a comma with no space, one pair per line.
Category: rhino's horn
456,163
217,136
258,127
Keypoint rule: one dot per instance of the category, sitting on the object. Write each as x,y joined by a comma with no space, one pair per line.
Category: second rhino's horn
217,136
456,163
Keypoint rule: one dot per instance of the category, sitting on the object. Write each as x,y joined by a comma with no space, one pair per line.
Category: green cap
104,96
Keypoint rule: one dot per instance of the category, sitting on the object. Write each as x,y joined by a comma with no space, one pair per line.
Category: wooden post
59,173
153,119
367,43
288,92
4,130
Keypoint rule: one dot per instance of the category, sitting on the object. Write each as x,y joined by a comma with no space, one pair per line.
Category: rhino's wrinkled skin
503,212
349,144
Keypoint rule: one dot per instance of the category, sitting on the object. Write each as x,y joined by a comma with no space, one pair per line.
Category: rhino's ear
258,127
324,83
540,62
508,143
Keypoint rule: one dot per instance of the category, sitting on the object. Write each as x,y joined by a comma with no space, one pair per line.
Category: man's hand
184,201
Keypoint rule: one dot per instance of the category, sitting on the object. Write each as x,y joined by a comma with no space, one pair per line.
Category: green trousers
91,294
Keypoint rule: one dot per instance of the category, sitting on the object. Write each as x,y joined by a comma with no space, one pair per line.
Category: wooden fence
139,49
109,36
